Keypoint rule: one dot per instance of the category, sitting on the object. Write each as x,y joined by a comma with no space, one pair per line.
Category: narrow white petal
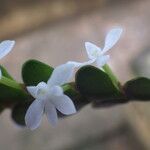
112,38
78,64
0,74
32,90
42,90
61,74
102,60
6,47
42,85
51,113
88,62
64,104
92,50
56,90
34,114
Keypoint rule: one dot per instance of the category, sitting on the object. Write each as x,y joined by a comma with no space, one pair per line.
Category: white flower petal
56,91
51,113
42,85
92,50
0,74
61,74
102,60
34,114
78,64
6,47
112,38
64,104
32,90
42,90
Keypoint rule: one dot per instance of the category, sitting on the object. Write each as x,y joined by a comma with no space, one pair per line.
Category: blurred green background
54,31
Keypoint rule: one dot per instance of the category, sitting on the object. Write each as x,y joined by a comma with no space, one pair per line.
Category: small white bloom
96,54
49,97
5,48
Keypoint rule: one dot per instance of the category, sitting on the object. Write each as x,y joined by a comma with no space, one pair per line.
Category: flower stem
114,79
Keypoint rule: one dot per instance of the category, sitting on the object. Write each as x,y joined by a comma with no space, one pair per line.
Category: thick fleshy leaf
51,113
102,60
19,111
93,82
5,73
61,74
92,50
111,39
34,114
6,47
71,91
10,90
138,89
64,104
34,71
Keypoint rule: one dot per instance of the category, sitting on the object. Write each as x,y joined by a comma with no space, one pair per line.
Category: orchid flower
49,97
5,48
96,54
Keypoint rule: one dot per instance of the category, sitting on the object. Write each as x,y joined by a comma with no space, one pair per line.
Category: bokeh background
54,31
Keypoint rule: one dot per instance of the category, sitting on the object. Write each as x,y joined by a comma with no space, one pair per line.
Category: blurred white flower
5,48
49,97
96,54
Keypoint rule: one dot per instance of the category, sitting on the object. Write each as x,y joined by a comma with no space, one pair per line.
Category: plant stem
114,79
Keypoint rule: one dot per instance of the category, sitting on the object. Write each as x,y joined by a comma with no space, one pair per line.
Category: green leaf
10,90
19,111
5,73
71,91
34,71
138,88
93,82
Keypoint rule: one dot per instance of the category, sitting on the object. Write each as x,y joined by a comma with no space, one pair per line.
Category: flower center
42,90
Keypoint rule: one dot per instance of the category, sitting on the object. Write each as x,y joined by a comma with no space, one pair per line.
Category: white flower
49,97
96,54
5,48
